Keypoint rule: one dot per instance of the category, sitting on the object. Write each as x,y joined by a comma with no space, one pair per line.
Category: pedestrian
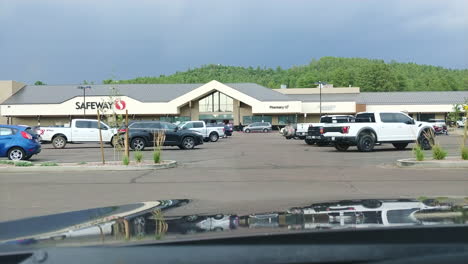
240,126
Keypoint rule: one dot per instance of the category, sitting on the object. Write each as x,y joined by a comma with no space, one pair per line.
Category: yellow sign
466,107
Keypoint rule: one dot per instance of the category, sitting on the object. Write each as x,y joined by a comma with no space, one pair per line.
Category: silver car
258,127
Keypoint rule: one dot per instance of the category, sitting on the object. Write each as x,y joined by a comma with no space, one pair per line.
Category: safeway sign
120,104
117,104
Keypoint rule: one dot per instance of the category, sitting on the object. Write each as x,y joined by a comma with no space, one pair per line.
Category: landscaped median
22,166
449,162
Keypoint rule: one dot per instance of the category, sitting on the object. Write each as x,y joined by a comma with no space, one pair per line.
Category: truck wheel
247,131
116,142
265,130
400,146
309,141
426,142
16,153
341,146
366,143
138,143
188,143
59,142
214,137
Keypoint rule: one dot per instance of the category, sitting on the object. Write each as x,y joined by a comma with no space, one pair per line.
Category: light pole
84,97
320,84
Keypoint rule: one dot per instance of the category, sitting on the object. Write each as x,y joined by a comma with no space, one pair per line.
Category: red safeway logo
120,104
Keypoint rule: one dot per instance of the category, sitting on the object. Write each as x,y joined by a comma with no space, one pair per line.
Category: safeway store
212,102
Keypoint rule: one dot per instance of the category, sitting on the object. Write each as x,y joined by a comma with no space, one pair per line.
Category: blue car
18,142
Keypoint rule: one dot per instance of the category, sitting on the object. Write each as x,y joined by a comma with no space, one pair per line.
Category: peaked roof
54,94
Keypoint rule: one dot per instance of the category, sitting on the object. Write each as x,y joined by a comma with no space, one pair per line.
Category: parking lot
245,172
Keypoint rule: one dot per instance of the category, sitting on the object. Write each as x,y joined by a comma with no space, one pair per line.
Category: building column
236,112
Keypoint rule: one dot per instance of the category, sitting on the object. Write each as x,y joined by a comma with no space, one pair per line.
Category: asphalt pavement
242,173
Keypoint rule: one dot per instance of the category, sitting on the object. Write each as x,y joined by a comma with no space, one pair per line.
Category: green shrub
464,153
82,163
438,153
9,162
23,163
418,152
48,164
125,160
156,156
138,156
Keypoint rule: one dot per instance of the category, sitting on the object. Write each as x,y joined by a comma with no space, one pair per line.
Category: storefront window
287,119
216,102
251,119
174,119
426,117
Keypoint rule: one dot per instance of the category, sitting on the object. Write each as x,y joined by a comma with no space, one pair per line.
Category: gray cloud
69,41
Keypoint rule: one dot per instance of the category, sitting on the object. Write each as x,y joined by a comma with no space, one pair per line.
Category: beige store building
213,102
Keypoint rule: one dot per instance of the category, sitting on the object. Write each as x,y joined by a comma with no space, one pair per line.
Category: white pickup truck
370,128
209,133
80,130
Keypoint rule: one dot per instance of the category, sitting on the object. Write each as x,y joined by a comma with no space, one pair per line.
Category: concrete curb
450,162
169,164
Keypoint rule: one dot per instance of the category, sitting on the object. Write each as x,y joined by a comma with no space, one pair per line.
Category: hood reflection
148,220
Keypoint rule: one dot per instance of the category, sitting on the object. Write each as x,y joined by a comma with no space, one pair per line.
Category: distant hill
370,75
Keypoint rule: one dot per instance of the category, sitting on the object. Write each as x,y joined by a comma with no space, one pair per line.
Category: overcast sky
59,42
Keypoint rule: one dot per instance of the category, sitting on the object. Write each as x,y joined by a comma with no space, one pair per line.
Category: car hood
165,221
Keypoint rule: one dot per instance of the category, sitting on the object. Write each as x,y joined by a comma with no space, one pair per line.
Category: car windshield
180,121
182,124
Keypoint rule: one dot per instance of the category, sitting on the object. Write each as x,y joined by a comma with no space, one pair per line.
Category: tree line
369,74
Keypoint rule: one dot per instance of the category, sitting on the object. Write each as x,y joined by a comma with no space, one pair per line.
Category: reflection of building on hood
202,223
363,213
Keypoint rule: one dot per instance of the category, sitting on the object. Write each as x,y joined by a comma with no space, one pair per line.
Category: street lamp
320,84
84,97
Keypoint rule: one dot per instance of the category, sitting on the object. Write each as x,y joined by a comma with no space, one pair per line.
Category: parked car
18,142
461,122
439,125
258,127
227,128
289,131
370,128
80,130
209,133
141,135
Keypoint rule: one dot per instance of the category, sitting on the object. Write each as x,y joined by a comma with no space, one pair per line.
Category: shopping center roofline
55,94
